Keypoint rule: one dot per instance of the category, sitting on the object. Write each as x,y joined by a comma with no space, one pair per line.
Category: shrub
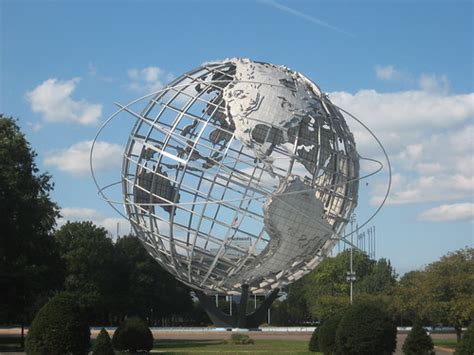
240,339
313,342
466,345
133,335
327,334
418,342
103,344
366,329
59,328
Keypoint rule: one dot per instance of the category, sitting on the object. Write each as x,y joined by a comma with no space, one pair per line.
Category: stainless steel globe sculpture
239,173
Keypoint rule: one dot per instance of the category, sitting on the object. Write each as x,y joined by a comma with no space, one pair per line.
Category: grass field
181,347
445,343
261,346
216,346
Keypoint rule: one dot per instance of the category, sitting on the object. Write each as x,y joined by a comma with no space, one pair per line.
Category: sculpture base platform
241,319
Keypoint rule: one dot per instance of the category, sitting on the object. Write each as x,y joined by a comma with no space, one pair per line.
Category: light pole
351,274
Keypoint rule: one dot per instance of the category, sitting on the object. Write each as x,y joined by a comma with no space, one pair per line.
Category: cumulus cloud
81,213
52,99
406,109
428,136
75,159
446,213
149,79
77,214
424,188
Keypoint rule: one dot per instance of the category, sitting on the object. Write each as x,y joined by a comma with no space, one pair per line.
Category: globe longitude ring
239,173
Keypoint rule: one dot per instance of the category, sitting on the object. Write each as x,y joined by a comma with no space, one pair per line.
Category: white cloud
81,213
52,99
434,83
424,188
453,212
149,79
77,214
426,82
428,135
386,72
390,73
406,109
35,126
75,159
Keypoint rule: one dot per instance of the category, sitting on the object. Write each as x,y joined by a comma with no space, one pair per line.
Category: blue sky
403,67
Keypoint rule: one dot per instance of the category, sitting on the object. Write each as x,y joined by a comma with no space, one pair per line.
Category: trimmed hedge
366,329
59,328
313,345
133,335
241,339
327,334
466,345
103,344
418,342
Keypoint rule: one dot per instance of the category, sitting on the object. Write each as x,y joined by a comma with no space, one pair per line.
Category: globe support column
241,319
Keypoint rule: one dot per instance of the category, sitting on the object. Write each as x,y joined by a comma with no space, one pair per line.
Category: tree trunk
22,341
458,333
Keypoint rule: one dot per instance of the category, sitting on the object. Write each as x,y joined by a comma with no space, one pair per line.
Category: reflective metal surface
239,172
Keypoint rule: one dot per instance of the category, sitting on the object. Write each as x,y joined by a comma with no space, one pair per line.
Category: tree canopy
88,255
443,292
120,279
29,261
145,289
326,289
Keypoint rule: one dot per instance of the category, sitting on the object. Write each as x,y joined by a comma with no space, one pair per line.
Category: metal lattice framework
222,191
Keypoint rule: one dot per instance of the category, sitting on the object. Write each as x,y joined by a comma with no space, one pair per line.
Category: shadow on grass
10,344
184,343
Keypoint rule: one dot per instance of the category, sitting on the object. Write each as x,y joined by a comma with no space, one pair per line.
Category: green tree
329,278
466,345
327,334
145,289
326,288
418,342
313,345
366,329
381,279
450,282
30,268
297,305
409,301
103,344
279,313
442,292
60,327
133,335
88,254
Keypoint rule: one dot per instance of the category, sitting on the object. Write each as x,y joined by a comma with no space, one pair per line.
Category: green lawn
445,343
296,347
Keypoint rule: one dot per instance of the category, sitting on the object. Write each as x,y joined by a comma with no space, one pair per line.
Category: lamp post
351,274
